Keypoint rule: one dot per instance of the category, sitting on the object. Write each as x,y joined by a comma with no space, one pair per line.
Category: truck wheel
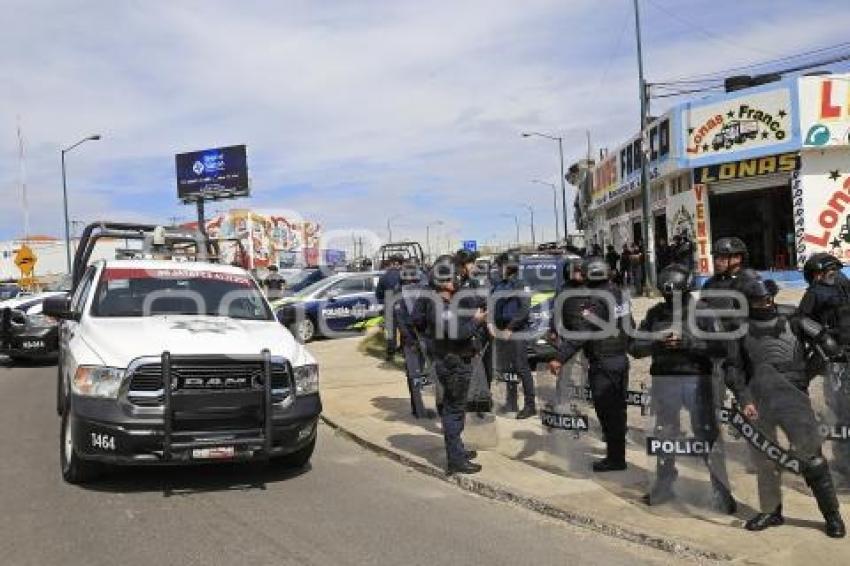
60,392
74,469
296,460
304,331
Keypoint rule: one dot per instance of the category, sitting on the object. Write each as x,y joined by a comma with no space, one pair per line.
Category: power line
713,36
719,74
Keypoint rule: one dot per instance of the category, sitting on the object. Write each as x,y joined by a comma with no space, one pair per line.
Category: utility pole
648,228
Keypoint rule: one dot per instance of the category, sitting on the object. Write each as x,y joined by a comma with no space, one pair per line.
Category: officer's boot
721,496
529,409
662,490
511,405
764,520
820,481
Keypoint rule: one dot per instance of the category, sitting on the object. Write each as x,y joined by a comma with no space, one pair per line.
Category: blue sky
352,112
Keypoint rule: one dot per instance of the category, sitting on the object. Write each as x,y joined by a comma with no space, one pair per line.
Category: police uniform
512,313
389,286
829,304
771,361
415,354
608,364
452,333
682,377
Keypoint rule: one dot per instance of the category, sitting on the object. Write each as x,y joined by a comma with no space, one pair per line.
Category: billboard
740,125
216,173
825,110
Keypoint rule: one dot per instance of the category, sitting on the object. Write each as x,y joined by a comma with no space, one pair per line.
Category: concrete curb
505,495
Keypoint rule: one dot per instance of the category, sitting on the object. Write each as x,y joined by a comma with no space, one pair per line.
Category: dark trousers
414,362
513,358
609,380
390,332
696,394
454,374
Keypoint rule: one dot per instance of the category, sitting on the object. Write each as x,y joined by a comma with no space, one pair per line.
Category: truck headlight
306,379
97,381
40,321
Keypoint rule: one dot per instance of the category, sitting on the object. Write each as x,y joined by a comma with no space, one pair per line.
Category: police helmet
759,288
409,272
729,246
462,257
674,278
444,272
819,262
508,261
595,269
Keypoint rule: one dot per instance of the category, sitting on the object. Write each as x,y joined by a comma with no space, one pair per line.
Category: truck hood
118,341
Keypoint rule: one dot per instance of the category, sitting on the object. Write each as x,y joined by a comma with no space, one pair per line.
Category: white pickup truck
173,362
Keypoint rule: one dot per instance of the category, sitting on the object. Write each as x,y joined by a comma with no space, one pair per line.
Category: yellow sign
26,259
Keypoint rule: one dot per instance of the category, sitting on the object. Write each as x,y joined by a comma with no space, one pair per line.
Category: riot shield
506,381
685,457
830,396
778,455
567,443
481,431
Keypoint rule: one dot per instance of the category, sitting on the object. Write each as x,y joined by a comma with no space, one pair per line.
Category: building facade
770,165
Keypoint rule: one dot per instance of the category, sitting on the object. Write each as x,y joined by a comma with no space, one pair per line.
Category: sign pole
202,225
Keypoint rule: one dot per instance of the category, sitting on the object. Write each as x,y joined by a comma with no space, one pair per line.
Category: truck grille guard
262,441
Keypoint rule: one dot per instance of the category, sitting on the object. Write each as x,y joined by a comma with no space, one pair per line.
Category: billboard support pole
202,224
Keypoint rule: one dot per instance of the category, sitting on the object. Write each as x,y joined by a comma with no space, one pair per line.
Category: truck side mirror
59,307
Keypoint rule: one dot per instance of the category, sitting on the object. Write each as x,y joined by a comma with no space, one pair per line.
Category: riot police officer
415,351
730,265
768,370
681,373
608,365
452,333
511,315
388,288
827,300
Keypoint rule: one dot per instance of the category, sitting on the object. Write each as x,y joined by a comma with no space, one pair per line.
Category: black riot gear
444,272
820,262
760,295
595,270
462,257
674,279
768,369
608,370
729,246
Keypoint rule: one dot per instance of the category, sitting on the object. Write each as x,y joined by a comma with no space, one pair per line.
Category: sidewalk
367,399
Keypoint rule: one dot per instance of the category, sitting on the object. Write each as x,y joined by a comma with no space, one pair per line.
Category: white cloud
352,112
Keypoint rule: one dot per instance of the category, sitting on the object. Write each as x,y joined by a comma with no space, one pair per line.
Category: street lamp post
390,227
554,204
531,212
94,137
516,221
428,236
560,141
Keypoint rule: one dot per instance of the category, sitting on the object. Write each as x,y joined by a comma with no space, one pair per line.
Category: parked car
26,334
340,303
9,291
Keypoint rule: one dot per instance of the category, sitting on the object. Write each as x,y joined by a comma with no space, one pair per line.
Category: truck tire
60,391
304,330
74,469
296,460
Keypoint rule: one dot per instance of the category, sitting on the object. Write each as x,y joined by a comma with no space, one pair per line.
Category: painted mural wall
275,238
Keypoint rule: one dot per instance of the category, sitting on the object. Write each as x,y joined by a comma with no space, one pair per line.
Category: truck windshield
539,276
135,292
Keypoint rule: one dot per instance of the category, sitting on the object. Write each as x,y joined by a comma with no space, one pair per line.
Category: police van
168,357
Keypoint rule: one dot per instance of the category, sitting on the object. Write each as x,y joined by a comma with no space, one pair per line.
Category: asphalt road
349,507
